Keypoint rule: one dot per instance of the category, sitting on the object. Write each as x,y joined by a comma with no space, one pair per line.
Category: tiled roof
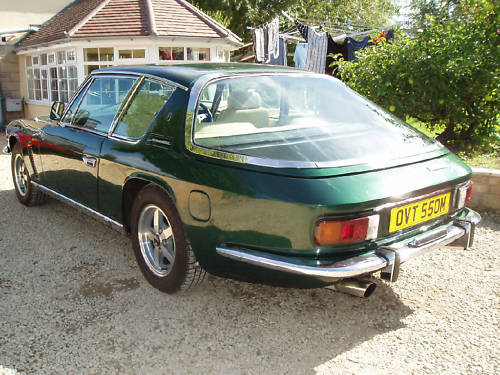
119,18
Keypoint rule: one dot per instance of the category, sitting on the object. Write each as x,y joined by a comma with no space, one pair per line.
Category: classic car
263,174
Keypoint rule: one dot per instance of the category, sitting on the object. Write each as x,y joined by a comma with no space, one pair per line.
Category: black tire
27,193
162,249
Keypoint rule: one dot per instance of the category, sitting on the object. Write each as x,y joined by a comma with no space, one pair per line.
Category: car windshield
300,118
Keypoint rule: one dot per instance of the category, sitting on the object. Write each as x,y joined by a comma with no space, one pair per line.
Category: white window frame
45,95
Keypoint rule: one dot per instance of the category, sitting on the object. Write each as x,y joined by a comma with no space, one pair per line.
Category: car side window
101,103
68,116
145,105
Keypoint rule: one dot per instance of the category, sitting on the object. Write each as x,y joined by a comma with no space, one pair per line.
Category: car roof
187,74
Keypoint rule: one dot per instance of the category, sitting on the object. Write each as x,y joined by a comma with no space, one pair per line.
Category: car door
70,149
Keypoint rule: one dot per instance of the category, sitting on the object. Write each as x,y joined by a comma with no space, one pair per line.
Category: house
92,34
16,19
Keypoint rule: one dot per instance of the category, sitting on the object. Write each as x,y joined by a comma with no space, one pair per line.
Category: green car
263,174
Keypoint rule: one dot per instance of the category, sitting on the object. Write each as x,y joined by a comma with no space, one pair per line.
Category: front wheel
26,192
160,244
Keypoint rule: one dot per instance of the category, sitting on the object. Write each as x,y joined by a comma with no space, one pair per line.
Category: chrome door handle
91,162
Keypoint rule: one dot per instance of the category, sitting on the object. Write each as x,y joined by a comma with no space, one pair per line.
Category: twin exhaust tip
356,287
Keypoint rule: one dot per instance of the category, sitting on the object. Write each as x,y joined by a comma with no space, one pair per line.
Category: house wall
9,80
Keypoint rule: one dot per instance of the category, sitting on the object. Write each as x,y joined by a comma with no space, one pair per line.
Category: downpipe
356,287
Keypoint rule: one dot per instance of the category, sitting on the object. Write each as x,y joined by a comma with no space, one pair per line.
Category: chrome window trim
87,210
194,97
149,76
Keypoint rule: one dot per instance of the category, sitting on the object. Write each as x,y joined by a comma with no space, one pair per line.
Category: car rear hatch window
299,120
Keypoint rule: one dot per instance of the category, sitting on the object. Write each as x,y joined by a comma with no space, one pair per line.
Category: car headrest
244,100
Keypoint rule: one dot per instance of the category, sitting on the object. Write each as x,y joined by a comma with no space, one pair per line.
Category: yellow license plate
418,212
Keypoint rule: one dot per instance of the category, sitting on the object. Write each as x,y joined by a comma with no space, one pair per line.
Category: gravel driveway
74,301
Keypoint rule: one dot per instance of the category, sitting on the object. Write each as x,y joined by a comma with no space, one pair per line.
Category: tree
446,76
244,13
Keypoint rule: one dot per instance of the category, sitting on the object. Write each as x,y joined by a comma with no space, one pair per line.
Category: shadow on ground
74,301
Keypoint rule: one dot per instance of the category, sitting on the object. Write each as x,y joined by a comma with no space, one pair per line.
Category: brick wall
486,189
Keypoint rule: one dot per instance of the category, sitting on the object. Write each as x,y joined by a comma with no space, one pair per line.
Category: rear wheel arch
133,185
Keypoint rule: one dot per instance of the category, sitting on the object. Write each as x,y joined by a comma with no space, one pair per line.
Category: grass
490,160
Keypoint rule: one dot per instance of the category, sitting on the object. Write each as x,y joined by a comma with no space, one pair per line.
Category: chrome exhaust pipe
356,287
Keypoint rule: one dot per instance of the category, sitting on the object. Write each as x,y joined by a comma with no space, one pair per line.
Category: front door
70,150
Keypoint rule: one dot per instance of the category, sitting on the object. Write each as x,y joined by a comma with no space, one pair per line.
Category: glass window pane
54,91
61,57
139,53
125,54
102,102
291,118
90,54
90,68
106,54
142,111
31,94
165,53
178,53
190,54
204,54
74,105
72,71
52,58
43,59
35,60
71,56
45,93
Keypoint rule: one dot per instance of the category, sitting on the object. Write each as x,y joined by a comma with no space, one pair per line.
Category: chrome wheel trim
21,177
156,240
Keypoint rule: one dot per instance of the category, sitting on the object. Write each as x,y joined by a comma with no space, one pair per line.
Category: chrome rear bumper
459,233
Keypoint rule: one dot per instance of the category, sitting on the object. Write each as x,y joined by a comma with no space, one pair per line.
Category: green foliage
243,13
446,76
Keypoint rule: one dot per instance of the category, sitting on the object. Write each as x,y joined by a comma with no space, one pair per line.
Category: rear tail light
463,195
334,232
468,194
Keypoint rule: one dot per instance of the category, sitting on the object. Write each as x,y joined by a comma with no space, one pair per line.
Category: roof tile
98,18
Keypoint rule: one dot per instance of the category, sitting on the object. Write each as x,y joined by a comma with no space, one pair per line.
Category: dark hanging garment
389,35
354,45
334,48
279,59
303,29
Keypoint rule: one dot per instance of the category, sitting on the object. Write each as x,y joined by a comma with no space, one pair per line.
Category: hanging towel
316,53
300,56
281,58
273,29
258,44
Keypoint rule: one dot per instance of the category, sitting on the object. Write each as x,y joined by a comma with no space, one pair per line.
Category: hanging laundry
316,53
354,45
303,29
335,46
258,44
266,41
300,56
273,30
280,59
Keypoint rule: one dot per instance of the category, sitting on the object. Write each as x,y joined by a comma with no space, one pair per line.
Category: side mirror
56,111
